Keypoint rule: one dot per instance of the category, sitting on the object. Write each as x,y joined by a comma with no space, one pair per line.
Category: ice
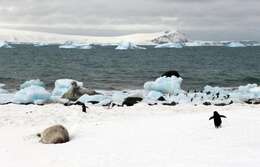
154,95
4,44
203,43
119,97
94,98
35,82
62,86
32,94
235,44
250,91
73,45
165,85
39,44
169,45
128,45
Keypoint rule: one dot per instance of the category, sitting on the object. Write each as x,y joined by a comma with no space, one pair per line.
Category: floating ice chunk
203,43
250,91
165,85
33,94
6,98
35,82
4,44
72,45
235,45
39,44
62,86
128,45
169,45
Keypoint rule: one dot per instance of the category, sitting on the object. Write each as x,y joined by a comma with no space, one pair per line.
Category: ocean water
110,69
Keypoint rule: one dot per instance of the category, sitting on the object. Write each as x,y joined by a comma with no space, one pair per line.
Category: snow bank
169,45
140,136
128,45
235,44
32,94
73,45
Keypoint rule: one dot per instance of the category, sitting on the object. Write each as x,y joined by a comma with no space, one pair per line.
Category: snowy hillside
18,36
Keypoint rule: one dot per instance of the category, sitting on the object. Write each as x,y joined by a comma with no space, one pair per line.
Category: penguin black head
215,113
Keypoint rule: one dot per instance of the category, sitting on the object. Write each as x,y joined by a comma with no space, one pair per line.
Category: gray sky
201,19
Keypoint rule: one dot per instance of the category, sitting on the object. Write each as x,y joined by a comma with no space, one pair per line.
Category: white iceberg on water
128,45
169,45
235,45
73,45
4,44
35,82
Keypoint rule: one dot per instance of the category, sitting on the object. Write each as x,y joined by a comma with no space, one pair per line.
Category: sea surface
109,69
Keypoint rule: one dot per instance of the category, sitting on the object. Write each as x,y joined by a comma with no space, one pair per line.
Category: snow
62,86
169,45
73,45
125,45
131,136
4,44
29,83
32,94
235,45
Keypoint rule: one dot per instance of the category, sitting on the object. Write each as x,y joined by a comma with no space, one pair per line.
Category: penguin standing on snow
217,119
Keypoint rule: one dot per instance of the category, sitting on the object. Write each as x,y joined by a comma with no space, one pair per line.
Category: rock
170,104
54,135
171,73
130,101
253,101
161,98
206,103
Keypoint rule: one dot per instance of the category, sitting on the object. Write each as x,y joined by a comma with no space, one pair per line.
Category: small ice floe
166,85
169,45
32,94
128,45
73,45
40,44
35,82
235,45
203,43
4,44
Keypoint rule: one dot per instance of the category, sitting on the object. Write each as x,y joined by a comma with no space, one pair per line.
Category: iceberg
39,44
235,45
203,43
5,45
62,86
165,85
128,45
169,45
35,82
33,94
73,45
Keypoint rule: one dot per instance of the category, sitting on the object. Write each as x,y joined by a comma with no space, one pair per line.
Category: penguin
217,119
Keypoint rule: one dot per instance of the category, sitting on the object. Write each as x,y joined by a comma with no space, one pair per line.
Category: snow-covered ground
136,136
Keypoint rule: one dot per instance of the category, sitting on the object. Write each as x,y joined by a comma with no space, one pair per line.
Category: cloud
235,18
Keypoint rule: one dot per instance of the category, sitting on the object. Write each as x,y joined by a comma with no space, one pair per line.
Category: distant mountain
20,36
171,37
